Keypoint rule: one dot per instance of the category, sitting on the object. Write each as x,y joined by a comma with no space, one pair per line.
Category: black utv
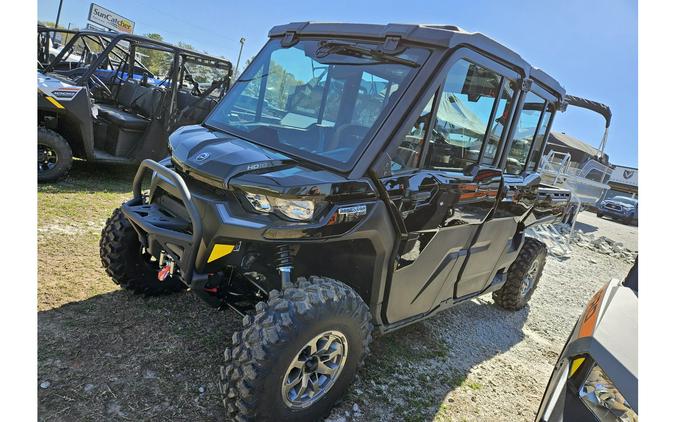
97,100
355,178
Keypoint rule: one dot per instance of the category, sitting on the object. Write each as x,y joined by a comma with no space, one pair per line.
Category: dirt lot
107,354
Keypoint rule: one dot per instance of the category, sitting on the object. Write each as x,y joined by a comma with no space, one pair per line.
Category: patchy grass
71,214
106,353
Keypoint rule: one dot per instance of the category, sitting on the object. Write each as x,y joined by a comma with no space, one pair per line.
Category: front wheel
523,276
54,155
126,263
298,355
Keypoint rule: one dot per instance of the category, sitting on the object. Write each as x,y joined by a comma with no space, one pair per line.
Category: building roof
573,143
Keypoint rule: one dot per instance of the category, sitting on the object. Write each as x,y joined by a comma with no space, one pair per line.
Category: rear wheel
599,214
55,157
298,355
125,262
523,276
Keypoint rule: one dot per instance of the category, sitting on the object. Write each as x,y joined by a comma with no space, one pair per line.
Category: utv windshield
320,100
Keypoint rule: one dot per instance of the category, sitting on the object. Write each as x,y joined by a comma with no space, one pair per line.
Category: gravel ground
588,223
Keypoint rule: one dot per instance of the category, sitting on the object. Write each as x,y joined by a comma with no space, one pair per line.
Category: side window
502,116
524,135
410,150
535,156
464,109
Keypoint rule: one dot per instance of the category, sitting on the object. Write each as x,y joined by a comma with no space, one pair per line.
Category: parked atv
355,178
596,376
106,106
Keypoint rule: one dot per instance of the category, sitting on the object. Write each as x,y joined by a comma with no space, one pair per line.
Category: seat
122,118
137,104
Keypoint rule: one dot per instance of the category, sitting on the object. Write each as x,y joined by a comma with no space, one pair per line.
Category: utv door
446,188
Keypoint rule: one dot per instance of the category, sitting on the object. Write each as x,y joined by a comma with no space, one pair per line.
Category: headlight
603,399
259,202
295,209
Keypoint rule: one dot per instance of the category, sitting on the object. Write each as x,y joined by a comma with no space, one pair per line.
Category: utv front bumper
622,213
190,224
162,231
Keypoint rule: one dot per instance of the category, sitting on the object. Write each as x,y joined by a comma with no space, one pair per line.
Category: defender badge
203,156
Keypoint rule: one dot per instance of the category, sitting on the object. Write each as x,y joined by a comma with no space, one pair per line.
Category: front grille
614,207
173,206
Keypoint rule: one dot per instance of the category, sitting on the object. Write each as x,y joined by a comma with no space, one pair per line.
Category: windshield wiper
333,47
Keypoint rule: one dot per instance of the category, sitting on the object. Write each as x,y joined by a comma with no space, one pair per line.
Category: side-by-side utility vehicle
355,178
97,100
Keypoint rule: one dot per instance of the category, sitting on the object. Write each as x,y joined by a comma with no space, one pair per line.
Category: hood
57,86
608,331
231,162
53,81
616,331
623,204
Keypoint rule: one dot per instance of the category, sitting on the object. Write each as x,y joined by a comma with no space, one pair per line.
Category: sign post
109,19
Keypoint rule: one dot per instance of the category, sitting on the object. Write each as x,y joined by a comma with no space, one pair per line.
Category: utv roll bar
139,39
595,106
599,108
103,39
114,40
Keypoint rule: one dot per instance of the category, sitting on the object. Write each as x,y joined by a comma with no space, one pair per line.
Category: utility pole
58,14
56,24
242,40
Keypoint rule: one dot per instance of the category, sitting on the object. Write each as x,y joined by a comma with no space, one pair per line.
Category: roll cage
119,52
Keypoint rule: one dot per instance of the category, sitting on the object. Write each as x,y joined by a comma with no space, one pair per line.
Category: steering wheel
97,82
195,89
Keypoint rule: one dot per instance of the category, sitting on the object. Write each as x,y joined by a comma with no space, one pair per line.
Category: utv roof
446,36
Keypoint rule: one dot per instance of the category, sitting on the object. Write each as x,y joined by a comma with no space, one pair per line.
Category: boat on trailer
574,165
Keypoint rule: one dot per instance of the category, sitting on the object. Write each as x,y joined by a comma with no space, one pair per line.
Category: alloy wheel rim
314,370
47,158
530,276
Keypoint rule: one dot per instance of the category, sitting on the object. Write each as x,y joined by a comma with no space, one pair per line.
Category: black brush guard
159,230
